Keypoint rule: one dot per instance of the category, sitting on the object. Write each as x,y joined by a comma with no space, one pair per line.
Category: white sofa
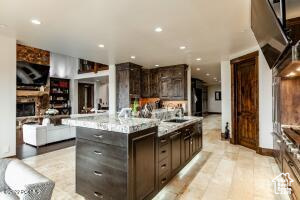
39,135
18,181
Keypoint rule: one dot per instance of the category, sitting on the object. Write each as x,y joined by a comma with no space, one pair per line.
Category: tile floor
221,171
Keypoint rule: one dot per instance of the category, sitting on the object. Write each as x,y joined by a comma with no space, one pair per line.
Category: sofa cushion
8,196
26,182
3,166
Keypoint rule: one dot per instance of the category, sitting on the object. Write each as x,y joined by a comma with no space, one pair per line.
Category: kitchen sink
176,120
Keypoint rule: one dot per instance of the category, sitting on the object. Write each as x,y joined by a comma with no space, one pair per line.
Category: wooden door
245,104
85,97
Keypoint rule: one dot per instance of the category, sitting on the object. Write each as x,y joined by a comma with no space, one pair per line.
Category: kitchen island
132,158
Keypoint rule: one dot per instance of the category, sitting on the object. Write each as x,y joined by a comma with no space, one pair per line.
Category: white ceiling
210,29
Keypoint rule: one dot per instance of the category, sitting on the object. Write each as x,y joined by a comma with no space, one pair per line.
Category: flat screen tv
268,31
29,74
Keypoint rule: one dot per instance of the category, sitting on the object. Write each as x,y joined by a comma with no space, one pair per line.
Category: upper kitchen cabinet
173,82
146,83
154,83
128,79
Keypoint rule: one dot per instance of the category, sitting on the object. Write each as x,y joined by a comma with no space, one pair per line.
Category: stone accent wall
33,55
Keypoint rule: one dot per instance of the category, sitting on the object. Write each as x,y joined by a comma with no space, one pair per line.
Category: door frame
233,63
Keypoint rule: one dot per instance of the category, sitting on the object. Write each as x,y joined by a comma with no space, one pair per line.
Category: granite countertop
168,127
112,123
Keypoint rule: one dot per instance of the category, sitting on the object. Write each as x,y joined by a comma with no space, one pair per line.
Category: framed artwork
218,95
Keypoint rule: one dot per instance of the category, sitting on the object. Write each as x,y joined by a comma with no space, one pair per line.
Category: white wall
226,94
213,105
8,100
265,97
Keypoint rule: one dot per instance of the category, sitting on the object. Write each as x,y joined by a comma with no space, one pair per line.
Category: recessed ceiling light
158,29
198,69
182,47
198,59
207,74
298,69
215,78
156,65
101,45
291,74
132,57
36,22
3,26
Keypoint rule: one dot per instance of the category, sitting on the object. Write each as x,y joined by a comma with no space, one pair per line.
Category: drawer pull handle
98,136
163,180
278,141
163,166
163,141
96,194
98,153
163,151
97,173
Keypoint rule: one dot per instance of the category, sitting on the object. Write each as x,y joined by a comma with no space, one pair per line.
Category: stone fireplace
25,109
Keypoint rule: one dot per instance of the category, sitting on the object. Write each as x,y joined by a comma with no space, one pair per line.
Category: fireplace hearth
26,109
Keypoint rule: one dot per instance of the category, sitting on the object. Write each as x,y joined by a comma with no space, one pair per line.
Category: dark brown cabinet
154,82
175,144
128,81
112,165
176,149
146,83
165,88
142,158
173,82
178,88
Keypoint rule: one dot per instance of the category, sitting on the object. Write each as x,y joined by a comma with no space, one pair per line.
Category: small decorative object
48,113
51,112
135,107
227,131
42,88
218,96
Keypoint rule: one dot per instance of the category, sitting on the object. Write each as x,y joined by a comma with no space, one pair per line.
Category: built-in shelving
60,95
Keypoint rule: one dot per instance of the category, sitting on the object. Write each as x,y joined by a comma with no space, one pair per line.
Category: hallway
220,172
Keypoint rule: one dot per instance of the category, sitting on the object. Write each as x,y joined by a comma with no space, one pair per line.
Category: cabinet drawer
164,166
88,152
106,137
164,152
102,179
84,188
163,180
163,141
